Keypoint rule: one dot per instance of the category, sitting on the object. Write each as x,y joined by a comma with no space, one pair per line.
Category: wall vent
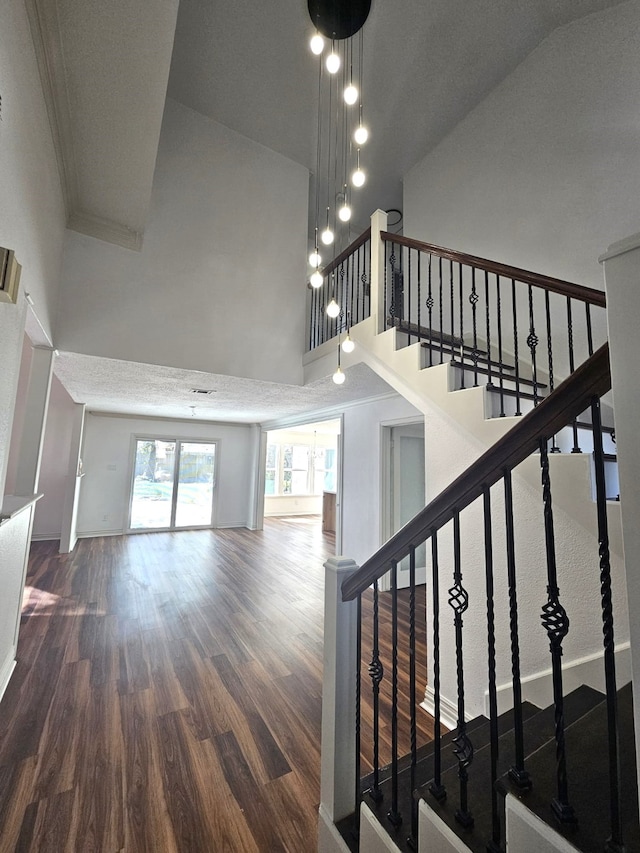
202,391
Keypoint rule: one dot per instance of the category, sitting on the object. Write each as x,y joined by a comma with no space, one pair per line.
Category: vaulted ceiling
108,67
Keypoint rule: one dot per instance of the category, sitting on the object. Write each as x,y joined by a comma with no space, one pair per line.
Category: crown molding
105,229
47,43
45,34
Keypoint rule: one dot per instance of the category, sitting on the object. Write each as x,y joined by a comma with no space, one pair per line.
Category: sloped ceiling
105,69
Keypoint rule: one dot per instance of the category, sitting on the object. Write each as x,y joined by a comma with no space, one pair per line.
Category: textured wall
219,284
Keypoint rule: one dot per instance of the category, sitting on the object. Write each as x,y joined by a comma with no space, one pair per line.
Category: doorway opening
302,475
403,488
173,484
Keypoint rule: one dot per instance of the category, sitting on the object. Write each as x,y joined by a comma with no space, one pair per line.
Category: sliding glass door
173,483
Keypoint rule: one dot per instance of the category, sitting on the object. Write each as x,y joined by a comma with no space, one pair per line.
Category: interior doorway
173,483
302,475
403,488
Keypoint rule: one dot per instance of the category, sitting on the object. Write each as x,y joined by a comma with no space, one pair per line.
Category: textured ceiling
109,385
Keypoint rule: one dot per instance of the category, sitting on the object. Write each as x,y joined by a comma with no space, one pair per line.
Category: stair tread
538,731
485,372
587,770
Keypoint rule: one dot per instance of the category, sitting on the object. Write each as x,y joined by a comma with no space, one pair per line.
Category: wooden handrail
344,254
556,285
569,399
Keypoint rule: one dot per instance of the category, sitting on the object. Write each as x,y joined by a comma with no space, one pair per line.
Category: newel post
338,695
378,224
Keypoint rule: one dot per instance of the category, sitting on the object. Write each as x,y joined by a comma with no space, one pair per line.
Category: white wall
543,173
219,284
361,488
54,469
31,214
107,458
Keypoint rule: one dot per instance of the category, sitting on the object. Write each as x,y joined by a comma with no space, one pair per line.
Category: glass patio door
173,483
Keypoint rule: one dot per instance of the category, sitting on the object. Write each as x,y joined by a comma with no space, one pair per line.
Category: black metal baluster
376,672
494,844
554,445
532,343
436,788
500,371
473,299
556,623
366,295
392,296
461,298
441,312
412,840
487,305
576,444
394,816
515,345
313,320
409,318
419,297
323,309
358,792
615,843
452,310
429,304
587,309
350,288
459,601
342,300
517,772
356,315
386,267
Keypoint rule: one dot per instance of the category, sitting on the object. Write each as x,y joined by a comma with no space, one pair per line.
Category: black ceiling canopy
338,19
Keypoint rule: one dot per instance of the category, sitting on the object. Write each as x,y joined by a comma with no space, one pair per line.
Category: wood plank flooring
167,695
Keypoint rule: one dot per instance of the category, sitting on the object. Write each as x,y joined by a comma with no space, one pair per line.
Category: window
299,469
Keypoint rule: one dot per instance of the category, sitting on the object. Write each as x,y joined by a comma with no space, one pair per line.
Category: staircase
471,376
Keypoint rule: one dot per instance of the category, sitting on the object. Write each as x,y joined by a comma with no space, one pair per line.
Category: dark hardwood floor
167,695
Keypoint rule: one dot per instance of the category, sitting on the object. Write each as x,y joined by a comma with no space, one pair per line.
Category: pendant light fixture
338,377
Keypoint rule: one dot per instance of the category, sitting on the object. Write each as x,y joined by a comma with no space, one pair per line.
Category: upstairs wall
543,173
219,283
32,215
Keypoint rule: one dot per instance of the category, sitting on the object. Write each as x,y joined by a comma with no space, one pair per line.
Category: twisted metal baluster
461,298
576,445
459,601
517,772
366,291
554,445
473,299
386,267
441,309
392,303
500,370
376,672
393,815
494,844
488,309
556,623
452,310
587,309
436,788
419,297
409,294
357,286
515,345
358,791
615,843
413,836
429,303
532,343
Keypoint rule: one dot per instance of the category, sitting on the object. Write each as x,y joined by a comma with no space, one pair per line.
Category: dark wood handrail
569,399
556,285
344,254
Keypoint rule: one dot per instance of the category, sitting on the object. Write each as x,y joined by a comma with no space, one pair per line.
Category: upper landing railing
515,330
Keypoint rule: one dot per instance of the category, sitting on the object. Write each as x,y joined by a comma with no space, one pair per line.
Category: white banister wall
378,224
621,271
337,771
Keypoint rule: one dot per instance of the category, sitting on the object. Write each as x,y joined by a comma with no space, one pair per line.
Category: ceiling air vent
202,391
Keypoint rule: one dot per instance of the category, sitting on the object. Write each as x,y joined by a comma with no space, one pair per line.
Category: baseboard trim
7,671
329,839
448,709
589,670
44,537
